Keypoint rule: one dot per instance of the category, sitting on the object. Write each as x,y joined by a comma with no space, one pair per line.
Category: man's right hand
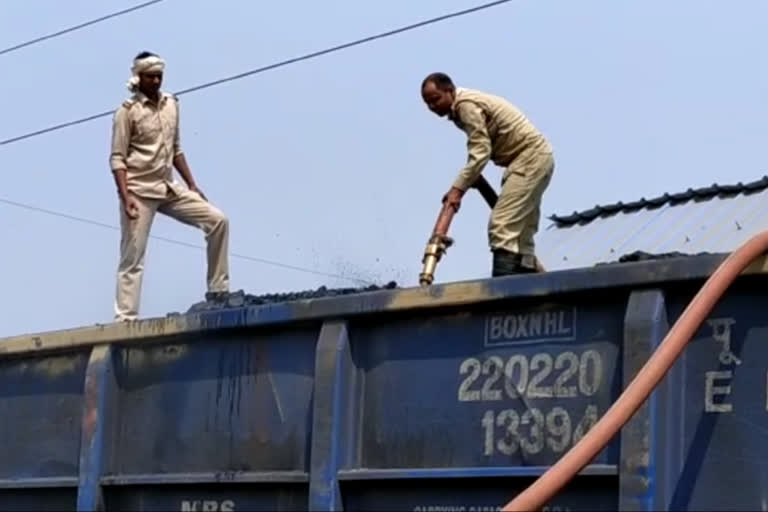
131,207
453,198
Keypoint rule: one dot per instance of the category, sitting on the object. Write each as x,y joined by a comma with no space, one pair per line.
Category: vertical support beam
333,432
99,396
669,434
645,326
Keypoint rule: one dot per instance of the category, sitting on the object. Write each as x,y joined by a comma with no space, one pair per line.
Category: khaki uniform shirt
496,130
145,140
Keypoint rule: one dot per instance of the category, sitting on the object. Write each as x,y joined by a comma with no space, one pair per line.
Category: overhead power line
78,27
273,66
179,242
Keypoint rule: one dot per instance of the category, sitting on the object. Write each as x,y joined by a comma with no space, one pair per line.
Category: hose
439,241
444,219
447,212
486,190
558,475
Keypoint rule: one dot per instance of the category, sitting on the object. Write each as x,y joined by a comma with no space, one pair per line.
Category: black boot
226,299
216,297
508,263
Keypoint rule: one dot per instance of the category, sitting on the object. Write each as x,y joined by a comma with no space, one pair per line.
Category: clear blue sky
335,164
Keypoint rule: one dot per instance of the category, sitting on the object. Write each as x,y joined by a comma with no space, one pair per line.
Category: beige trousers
515,219
187,207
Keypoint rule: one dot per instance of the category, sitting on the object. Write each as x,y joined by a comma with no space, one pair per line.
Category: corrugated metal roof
713,219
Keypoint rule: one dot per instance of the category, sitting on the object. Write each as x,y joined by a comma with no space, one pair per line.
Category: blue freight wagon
449,398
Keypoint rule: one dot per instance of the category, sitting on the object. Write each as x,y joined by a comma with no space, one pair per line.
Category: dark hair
441,81
144,55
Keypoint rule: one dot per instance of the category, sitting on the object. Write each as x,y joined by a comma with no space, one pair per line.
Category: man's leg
130,270
515,218
531,226
191,209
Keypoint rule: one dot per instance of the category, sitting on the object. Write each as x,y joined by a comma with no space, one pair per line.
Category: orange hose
444,219
542,490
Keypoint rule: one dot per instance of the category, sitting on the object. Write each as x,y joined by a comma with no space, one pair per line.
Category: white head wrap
146,65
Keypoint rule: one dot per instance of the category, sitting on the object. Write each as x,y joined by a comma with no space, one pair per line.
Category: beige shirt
145,140
496,130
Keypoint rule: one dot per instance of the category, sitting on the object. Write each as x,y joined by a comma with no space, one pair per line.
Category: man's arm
478,149
478,144
181,165
122,184
121,134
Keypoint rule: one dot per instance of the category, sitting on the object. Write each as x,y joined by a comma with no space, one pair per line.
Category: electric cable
179,242
78,27
272,66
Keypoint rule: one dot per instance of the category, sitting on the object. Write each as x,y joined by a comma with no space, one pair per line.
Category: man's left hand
453,198
194,188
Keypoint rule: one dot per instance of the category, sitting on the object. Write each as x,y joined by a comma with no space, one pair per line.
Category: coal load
639,256
241,299
646,256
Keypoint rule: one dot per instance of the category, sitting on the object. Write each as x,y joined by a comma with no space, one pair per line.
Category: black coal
240,299
638,256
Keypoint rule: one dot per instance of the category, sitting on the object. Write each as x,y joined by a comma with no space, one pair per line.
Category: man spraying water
498,131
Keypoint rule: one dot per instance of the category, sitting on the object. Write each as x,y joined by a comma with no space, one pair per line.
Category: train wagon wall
447,399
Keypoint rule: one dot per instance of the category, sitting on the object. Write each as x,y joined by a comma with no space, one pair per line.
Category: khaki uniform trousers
187,207
515,218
